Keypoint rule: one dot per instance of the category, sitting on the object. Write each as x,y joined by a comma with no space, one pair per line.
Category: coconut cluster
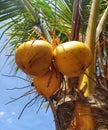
35,58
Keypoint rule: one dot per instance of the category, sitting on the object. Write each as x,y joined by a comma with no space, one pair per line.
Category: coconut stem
75,21
90,40
34,14
102,23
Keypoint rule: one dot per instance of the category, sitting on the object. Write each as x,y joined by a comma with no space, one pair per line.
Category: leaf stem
90,40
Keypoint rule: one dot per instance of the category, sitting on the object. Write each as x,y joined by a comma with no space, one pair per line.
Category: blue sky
30,120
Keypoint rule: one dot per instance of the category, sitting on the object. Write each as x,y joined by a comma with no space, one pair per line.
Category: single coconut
47,84
34,57
72,58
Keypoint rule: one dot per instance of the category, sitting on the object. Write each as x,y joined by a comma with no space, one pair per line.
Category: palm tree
82,98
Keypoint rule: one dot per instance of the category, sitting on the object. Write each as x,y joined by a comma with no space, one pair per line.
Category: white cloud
2,113
10,120
13,113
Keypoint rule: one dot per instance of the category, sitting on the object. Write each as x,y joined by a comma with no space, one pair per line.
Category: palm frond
9,9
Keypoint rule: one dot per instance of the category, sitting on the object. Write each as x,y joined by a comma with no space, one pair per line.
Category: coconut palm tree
82,102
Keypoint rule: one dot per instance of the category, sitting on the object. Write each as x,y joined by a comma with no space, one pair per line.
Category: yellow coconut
47,84
34,57
72,58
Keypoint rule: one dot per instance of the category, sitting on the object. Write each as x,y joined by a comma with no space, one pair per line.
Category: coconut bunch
46,65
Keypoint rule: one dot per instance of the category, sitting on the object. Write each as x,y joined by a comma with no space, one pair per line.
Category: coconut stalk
102,23
75,21
36,17
87,79
34,13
